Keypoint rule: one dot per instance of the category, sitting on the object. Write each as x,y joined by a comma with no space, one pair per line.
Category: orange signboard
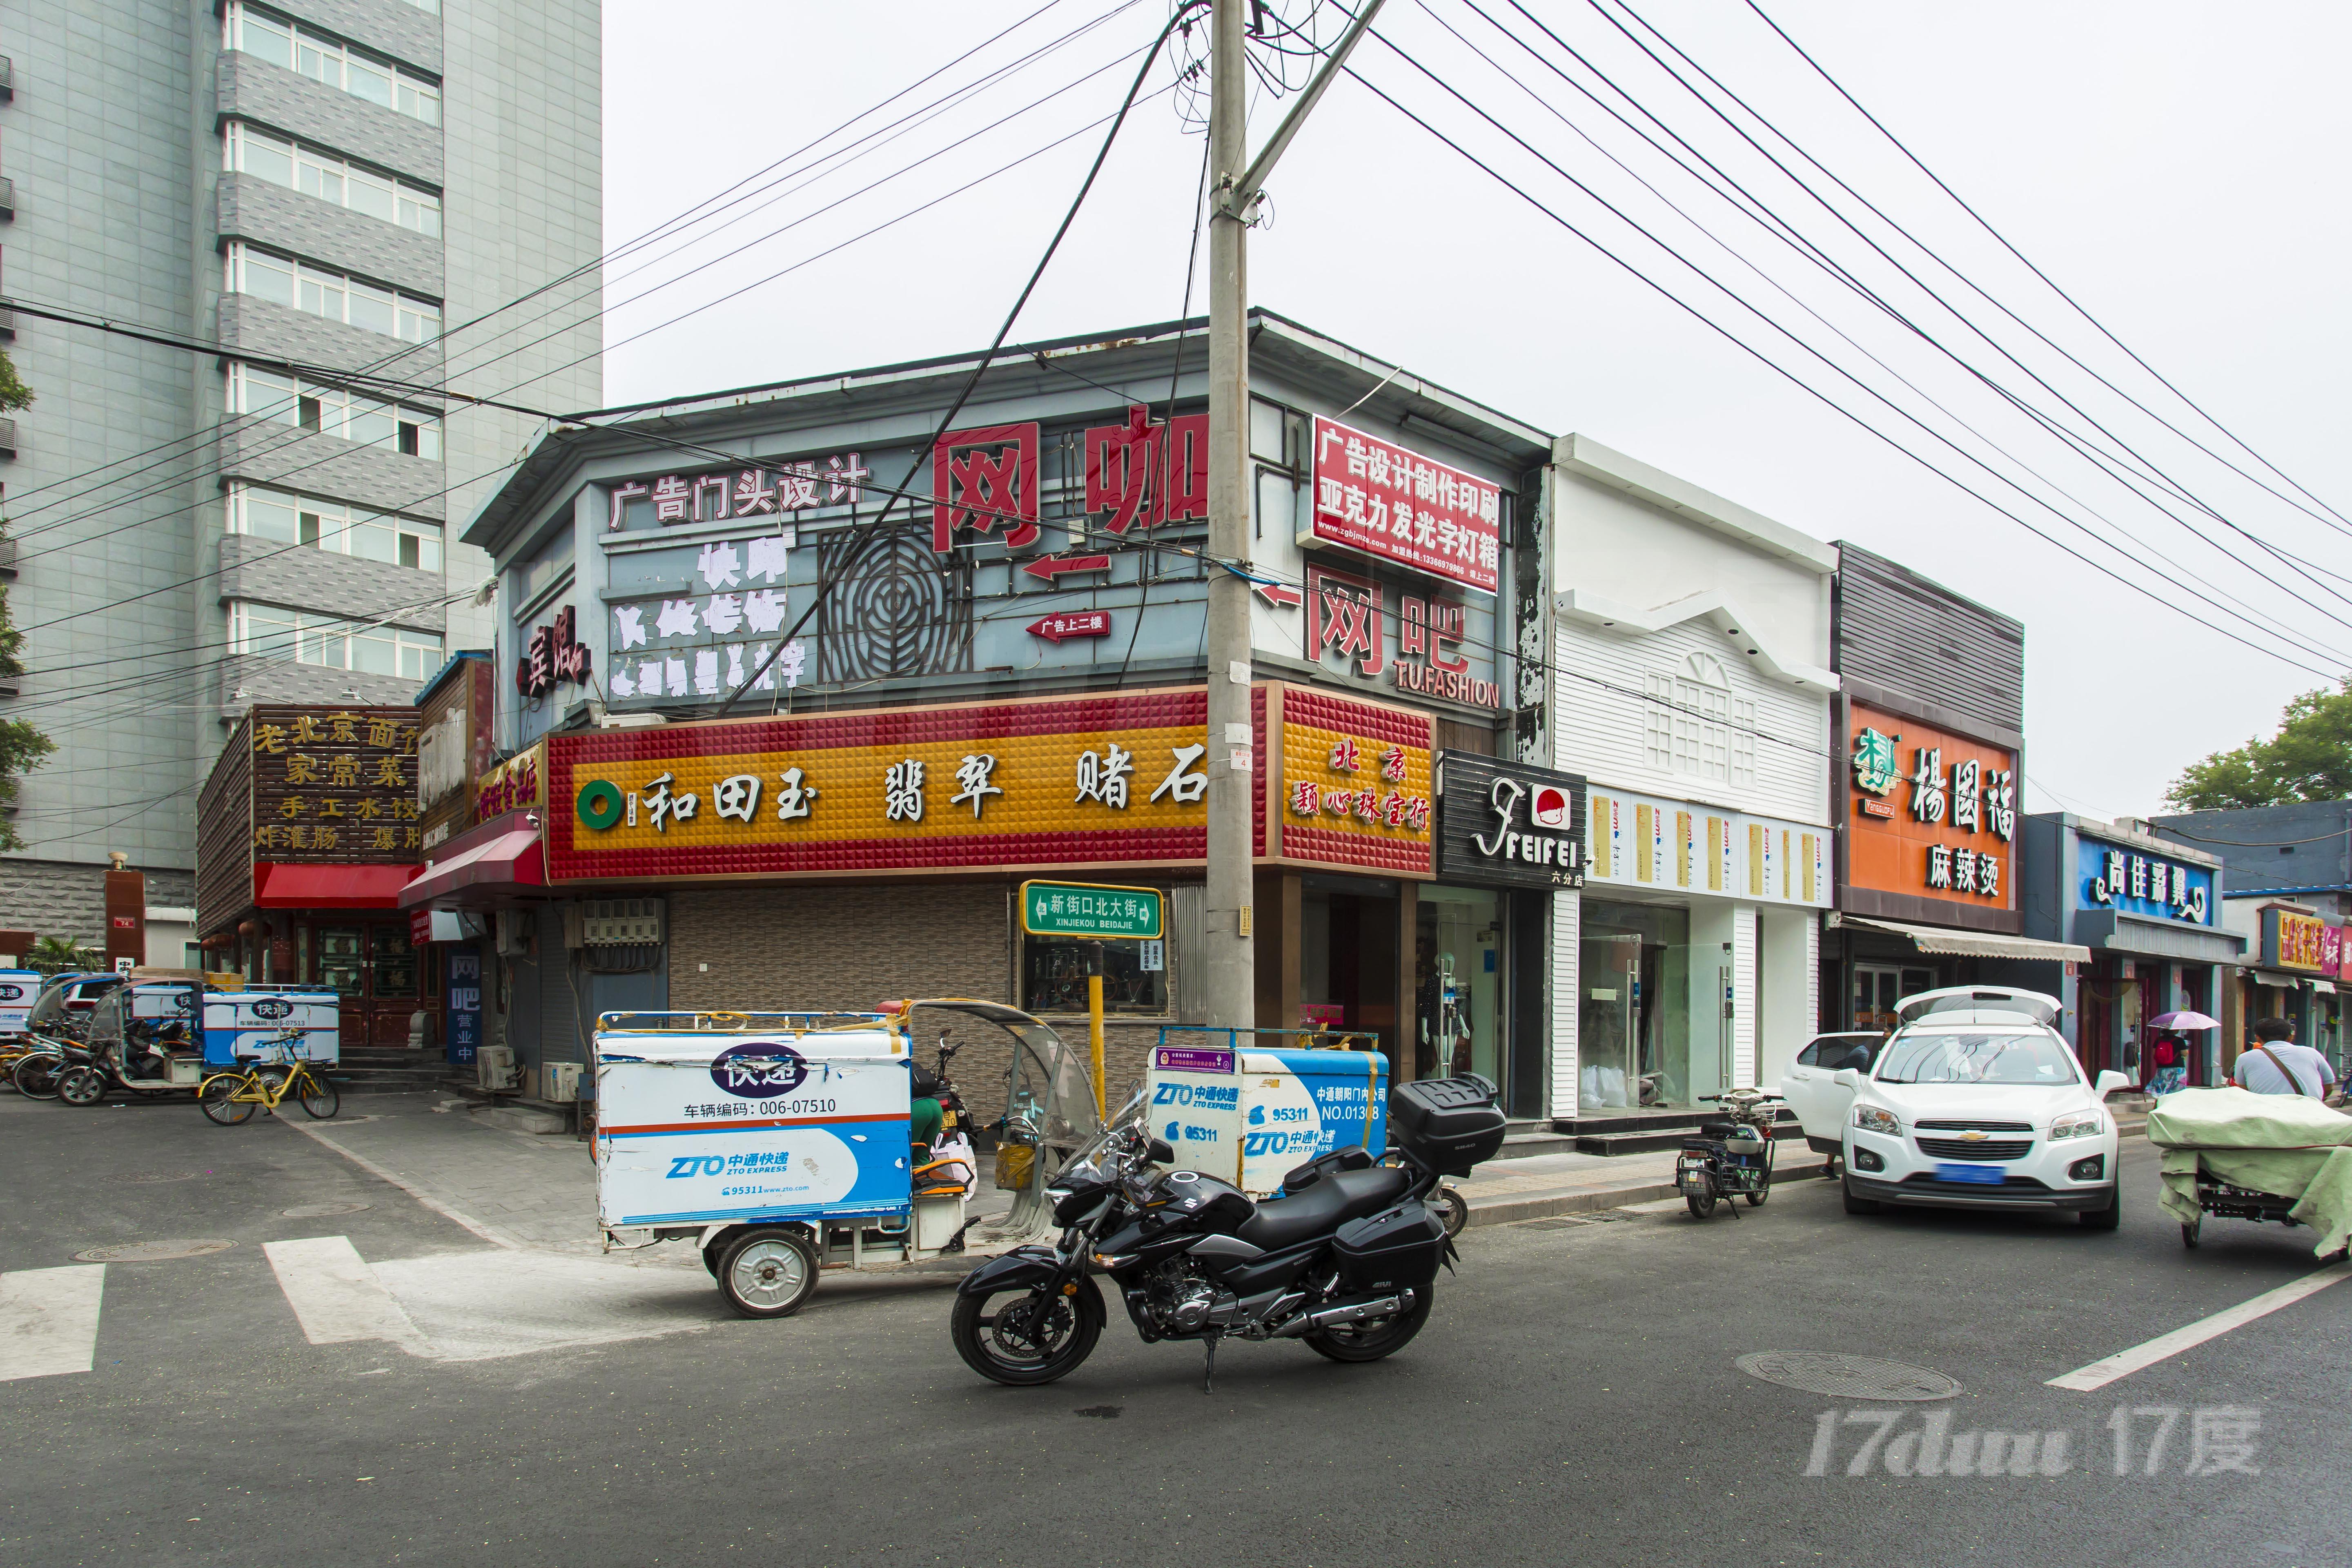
1931,814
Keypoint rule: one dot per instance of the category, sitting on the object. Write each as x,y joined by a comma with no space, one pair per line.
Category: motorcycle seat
1718,1130
1338,1198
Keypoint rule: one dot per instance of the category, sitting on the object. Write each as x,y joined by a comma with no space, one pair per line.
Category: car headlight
2078,1124
1870,1119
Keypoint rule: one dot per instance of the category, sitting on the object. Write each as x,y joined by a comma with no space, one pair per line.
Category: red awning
509,859
297,887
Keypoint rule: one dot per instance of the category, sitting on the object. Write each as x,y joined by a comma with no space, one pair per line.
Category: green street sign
1091,910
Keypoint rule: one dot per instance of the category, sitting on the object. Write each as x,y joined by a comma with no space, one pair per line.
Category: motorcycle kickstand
1209,1363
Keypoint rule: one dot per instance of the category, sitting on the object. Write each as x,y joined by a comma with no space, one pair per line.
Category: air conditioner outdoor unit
494,1067
559,1082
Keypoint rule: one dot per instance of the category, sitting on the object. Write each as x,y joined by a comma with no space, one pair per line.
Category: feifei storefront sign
1508,824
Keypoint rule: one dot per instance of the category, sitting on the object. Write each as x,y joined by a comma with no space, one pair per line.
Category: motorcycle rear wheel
36,1076
81,1086
1701,1204
1014,1352
1451,1208
1373,1341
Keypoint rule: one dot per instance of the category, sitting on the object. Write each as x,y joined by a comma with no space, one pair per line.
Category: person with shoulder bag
2274,1064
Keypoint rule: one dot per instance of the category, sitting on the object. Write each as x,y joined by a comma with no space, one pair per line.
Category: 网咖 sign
1091,910
1378,498
1509,822
1930,821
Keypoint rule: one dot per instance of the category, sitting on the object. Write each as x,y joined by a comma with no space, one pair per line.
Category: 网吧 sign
1091,910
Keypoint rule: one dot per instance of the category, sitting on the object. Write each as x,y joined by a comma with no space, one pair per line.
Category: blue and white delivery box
253,1025
18,989
701,1126
1251,1116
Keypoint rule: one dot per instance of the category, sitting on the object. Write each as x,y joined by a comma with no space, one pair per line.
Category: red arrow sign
1073,624
1280,597
1051,566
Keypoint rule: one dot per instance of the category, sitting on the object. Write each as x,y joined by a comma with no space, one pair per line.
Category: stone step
1525,1145
1655,1139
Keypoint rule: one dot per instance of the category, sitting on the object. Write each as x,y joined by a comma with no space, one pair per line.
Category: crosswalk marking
336,1296
48,1320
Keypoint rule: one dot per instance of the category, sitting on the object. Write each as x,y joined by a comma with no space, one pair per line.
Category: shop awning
1979,944
2325,987
509,859
2143,936
298,886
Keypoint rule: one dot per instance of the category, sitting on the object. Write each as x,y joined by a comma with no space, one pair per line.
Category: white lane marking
337,1296
48,1320
2122,1363
495,1238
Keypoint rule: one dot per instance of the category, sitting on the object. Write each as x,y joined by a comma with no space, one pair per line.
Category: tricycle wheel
81,1086
2189,1230
767,1272
1024,1337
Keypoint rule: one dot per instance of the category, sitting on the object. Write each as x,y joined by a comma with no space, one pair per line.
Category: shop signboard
518,783
1418,642
1930,822
454,745
2331,951
1376,498
1509,822
2128,878
1091,910
334,784
1647,844
1354,787
2294,941
463,1033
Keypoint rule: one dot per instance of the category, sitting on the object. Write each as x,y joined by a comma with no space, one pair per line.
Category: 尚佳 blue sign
2113,877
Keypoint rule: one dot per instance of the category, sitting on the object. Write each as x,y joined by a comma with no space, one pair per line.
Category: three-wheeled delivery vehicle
782,1143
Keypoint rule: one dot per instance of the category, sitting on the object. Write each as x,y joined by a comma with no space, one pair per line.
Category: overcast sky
2163,164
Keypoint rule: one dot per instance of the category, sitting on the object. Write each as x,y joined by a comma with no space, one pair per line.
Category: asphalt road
1572,1400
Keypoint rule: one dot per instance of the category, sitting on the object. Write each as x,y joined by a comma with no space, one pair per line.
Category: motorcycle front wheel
81,1086
1024,1338
1370,1342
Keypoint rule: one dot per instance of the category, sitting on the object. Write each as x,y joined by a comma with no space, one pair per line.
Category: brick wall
796,949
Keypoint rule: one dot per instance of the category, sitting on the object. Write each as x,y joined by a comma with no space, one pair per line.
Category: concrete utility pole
1230,985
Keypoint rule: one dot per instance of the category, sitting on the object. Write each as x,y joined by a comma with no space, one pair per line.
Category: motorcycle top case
18,989
1251,1116
695,1127
248,1026
1397,1249
1452,1122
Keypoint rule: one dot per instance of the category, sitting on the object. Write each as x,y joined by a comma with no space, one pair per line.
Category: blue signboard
2115,876
464,990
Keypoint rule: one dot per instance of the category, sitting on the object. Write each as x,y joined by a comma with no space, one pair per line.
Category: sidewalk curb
1504,1209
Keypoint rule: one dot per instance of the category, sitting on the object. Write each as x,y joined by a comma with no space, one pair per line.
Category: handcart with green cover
2241,1155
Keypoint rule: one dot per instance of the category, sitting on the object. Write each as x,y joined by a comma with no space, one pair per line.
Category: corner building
1003,680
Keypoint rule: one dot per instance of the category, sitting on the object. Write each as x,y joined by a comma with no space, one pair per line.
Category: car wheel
2107,1219
1858,1205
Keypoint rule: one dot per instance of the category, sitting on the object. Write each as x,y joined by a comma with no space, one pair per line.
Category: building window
1053,976
1692,724
291,519
333,411
331,61
299,637
267,276
246,151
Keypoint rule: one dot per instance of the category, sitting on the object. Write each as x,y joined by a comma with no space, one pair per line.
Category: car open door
1810,1085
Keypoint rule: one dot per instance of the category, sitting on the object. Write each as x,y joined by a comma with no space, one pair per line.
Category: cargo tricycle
782,1143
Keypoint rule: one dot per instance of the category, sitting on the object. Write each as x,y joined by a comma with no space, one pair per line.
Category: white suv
1977,1102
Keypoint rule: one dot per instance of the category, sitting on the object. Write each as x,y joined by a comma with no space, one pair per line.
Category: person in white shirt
2274,1064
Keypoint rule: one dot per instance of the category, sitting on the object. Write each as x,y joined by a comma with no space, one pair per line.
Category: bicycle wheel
219,1096
321,1098
36,1076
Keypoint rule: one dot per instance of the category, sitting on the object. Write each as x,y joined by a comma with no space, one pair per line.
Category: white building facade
1690,643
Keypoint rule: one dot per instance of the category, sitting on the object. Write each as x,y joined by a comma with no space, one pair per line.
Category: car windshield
2025,1060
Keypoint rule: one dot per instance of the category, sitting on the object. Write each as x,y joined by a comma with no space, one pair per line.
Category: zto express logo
273,1007
757,1069
1875,771
1550,807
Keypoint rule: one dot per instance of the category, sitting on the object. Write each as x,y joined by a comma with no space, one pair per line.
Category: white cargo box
1250,1117
247,1026
18,989
701,1126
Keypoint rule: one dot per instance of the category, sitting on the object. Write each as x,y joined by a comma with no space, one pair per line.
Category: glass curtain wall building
321,190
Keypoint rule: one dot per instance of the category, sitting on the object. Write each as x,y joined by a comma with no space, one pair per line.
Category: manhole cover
150,1251
150,1177
1847,1376
321,1211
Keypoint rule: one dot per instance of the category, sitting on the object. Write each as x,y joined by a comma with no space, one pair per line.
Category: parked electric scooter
1731,1158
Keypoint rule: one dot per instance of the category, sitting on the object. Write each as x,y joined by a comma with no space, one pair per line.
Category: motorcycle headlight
1870,1119
2078,1124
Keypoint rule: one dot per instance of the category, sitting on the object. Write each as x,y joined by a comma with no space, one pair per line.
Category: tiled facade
113,138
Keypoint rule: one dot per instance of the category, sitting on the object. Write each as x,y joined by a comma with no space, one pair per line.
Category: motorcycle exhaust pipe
1347,1312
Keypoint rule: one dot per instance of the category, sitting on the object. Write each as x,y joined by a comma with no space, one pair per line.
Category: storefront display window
1456,984
1054,975
1634,1015
1877,987
342,958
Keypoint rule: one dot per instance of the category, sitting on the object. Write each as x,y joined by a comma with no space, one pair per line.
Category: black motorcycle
1346,1259
1731,1158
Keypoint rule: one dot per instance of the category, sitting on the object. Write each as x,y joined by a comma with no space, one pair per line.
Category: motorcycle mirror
1158,1153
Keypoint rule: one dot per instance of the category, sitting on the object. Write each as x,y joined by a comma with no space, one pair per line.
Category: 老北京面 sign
1506,822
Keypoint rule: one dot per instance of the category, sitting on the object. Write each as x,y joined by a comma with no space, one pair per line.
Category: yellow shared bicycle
228,1098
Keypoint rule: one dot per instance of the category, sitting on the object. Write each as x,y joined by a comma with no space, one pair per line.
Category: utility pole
1229,988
